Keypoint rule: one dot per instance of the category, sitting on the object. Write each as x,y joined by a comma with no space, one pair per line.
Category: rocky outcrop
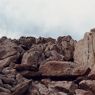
85,50
46,66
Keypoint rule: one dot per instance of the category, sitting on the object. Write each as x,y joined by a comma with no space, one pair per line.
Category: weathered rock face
85,50
46,66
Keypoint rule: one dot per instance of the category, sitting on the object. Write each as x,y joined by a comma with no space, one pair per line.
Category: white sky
46,17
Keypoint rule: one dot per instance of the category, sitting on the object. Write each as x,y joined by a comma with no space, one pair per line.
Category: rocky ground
45,66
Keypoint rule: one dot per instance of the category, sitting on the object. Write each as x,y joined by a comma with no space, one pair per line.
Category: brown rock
63,86
53,55
27,42
24,67
83,92
7,49
7,80
52,47
31,74
56,68
92,73
7,61
60,68
67,45
88,85
4,93
9,52
4,90
22,88
39,88
31,58
42,40
85,51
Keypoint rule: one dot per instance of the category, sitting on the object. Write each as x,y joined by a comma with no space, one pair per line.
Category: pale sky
46,18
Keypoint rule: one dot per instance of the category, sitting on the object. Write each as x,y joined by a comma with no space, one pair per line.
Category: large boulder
84,54
60,68
31,57
67,46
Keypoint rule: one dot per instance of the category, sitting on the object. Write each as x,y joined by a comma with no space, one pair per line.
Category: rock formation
47,66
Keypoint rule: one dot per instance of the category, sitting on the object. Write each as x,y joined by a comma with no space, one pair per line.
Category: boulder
84,54
31,58
9,52
67,46
83,92
61,68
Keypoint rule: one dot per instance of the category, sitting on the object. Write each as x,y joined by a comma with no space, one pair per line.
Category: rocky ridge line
45,66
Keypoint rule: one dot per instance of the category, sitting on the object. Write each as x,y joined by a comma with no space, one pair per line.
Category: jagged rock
48,87
7,80
83,92
1,83
63,86
22,88
4,90
7,86
7,49
7,61
42,40
31,58
27,42
85,51
41,88
88,85
53,55
9,52
19,78
52,47
67,45
51,65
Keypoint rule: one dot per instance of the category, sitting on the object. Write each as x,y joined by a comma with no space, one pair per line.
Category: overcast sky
46,18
